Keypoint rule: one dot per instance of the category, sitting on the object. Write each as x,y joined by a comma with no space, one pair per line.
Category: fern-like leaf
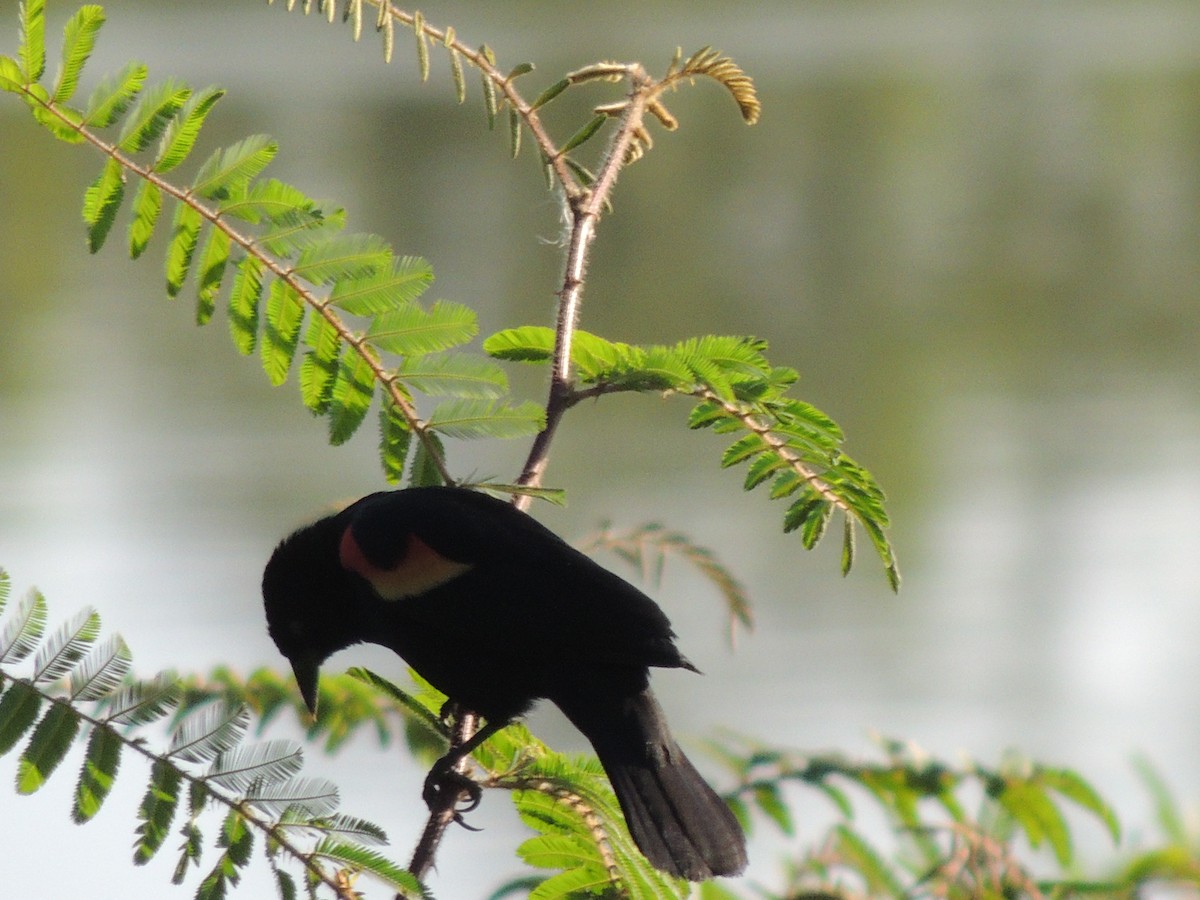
244,298
228,171
147,205
5,588
410,331
395,438
185,232
388,289
712,64
353,387
315,796
100,764
266,763
79,39
113,96
63,649
470,419
150,116
453,375
157,811
180,135
343,256
362,859
273,201
24,629
101,201
208,732
101,671
49,744
210,272
19,707
32,44
281,334
142,702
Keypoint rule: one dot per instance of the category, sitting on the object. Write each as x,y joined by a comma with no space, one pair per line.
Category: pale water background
973,227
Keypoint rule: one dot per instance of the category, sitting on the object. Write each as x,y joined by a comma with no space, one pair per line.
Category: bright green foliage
33,39
276,239
79,38
227,172
146,207
151,114
786,443
185,232
182,131
285,312
112,96
101,201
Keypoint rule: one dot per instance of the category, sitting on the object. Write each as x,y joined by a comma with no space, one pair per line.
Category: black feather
526,616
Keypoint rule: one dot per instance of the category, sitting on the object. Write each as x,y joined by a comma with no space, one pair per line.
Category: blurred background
973,228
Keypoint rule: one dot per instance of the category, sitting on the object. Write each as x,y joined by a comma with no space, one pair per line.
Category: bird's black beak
307,672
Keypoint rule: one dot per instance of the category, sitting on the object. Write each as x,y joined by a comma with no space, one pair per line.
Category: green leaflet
213,260
385,290
453,375
369,861
185,232
113,95
156,811
180,135
244,299
529,343
320,364
151,115
147,204
343,256
12,79
79,38
410,331
394,440
281,333
19,708
32,46
273,201
469,419
99,771
50,742
353,387
228,171
101,201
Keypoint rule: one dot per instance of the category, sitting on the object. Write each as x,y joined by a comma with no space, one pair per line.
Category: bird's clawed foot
443,778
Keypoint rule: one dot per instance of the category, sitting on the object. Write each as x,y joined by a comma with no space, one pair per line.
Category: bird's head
309,601
334,583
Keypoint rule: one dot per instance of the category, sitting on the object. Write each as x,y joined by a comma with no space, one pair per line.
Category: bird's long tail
675,818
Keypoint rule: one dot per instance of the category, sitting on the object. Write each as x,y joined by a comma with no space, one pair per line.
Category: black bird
497,611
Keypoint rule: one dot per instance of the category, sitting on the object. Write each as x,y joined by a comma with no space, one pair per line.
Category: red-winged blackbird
496,611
